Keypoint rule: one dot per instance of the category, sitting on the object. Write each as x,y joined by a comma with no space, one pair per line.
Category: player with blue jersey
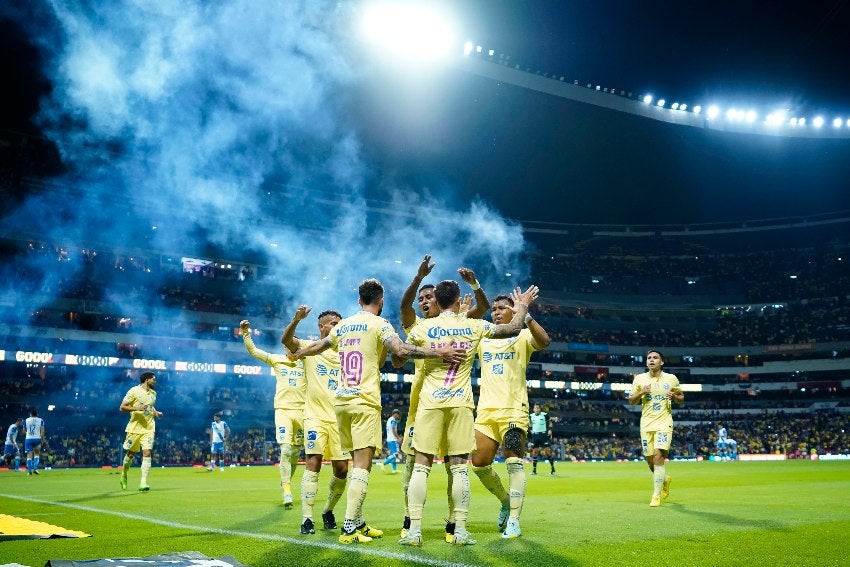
362,342
219,433
655,390
290,391
34,428
722,444
502,412
445,407
11,451
140,403
320,427
393,440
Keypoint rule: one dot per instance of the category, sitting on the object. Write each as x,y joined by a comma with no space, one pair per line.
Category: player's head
217,417
396,414
427,302
327,320
371,294
447,293
502,309
19,421
536,408
148,378
654,359
33,412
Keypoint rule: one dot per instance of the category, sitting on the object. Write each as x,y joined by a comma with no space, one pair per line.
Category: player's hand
302,312
425,267
468,276
526,297
452,354
466,303
297,355
245,326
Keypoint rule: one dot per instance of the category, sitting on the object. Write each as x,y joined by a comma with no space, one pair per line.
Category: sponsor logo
321,369
499,368
347,392
445,393
437,332
333,385
293,382
311,444
312,435
353,328
281,430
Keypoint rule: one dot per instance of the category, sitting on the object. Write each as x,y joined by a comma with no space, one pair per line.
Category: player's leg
284,436
131,447
365,427
147,447
336,488
482,466
309,488
514,449
459,443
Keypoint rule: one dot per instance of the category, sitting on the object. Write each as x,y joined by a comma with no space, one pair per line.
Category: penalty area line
361,549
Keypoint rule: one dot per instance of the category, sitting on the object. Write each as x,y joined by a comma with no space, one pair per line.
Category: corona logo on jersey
437,332
355,328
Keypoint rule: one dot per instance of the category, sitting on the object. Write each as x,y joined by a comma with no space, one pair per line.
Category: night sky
536,157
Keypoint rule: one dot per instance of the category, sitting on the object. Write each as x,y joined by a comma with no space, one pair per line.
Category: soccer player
655,390
445,407
34,428
722,444
502,413
428,308
362,341
541,435
219,432
140,403
393,441
10,449
290,390
320,427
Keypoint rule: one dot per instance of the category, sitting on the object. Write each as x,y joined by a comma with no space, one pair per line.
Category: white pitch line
269,537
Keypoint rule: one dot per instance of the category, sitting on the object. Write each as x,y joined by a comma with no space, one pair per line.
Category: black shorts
539,440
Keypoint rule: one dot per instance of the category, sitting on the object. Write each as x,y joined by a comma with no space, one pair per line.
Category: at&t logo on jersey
321,369
284,372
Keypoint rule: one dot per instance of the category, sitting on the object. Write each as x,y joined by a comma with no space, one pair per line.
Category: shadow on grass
727,519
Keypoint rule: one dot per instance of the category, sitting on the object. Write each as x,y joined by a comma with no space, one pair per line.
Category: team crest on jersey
311,444
333,385
281,430
311,435
498,368
293,382
321,369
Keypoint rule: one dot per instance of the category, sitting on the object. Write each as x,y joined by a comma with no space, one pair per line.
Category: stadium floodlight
416,31
713,112
697,109
661,102
491,53
732,114
683,107
802,122
848,123
837,122
478,49
818,121
467,48
751,116
675,106
793,121
647,99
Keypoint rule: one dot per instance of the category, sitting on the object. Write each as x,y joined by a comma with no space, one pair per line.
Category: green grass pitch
732,513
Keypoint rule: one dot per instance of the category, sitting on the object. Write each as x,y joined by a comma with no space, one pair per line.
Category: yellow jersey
361,341
447,385
656,413
141,421
290,384
322,372
503,364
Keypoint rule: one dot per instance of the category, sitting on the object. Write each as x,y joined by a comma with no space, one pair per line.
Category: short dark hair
446,293
426,286
146,375
370,291
657,352
504,297
33,412
328,312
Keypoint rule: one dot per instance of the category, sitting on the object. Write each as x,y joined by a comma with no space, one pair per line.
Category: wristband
475,286
528,318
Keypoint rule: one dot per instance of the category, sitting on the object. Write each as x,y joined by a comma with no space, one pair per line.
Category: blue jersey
219,431
392,429
12,434
34,427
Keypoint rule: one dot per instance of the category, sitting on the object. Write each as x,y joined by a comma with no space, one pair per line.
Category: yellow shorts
136,442
494,423
407,442
322,438
444,431
652,440
289,426
359,427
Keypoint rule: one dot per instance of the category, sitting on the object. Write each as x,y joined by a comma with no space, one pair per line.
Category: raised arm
258,353
521,302
408,313
404,350
482,304
539,336
288,338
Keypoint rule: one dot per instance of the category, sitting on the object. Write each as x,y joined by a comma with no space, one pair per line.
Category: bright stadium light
647,99
416,31
837,122
697,109
848,123
802,122
751,116
467,48
675,106
818,121
732,114
661,102
683,107
713,112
